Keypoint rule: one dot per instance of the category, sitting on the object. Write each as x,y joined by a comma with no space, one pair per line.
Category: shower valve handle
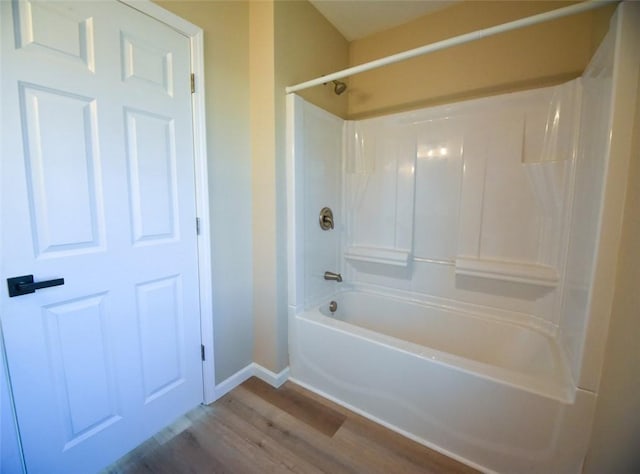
326,218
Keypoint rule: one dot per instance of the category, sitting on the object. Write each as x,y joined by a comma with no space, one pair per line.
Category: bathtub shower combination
447,293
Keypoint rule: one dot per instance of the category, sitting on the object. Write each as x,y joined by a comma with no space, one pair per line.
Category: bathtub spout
333,276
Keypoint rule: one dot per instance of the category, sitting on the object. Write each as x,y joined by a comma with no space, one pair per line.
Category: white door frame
196,40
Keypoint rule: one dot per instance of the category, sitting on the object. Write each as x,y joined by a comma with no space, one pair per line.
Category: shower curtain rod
456,40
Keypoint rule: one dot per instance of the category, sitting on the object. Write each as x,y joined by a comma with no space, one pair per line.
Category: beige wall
270,346
290,42
308,46
540,55
226,50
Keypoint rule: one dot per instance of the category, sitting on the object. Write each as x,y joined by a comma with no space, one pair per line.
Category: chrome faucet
333,276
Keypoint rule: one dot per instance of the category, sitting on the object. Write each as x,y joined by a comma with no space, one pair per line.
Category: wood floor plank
300,390
307,410
360,456
389,459
233,452
401,447
131,461
186,453
244,425
387,440
257,429
287,430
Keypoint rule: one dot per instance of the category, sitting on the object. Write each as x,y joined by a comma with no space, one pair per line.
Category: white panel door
98,189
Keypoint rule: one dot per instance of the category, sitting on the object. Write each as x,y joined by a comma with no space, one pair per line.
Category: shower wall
314,182
466,204
591,165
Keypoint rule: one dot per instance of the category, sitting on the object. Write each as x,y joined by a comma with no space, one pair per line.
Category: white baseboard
251,370
232,382
273,379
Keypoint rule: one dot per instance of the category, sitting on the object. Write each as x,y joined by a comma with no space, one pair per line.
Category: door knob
23,285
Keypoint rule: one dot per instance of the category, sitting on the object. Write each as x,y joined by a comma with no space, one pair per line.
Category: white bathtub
492,394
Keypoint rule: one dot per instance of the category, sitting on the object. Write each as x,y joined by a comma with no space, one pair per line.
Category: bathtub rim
474,310
558,386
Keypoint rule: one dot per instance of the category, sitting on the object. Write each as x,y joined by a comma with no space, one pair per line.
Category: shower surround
466,236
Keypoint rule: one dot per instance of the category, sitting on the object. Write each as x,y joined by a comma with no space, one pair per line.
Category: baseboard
232,382
251,370
273,379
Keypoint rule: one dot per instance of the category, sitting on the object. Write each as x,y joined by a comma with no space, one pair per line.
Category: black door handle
24,285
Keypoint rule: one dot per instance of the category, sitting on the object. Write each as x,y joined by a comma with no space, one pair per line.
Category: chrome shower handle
326,218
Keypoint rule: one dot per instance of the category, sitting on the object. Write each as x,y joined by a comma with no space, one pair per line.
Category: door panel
77,360
146,64
152,177
160,323
61,159
98,187
55,30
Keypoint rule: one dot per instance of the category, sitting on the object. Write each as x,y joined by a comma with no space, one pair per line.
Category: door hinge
202,352
193,83
197,226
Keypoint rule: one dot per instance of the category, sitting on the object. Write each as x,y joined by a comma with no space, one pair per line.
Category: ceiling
356,19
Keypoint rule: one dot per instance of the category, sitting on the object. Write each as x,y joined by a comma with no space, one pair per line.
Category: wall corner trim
273,379
251,370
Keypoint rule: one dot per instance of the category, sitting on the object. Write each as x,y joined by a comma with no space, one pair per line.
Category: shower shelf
517,272
387,256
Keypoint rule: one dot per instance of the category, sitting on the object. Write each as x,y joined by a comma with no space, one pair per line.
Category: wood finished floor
258,429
